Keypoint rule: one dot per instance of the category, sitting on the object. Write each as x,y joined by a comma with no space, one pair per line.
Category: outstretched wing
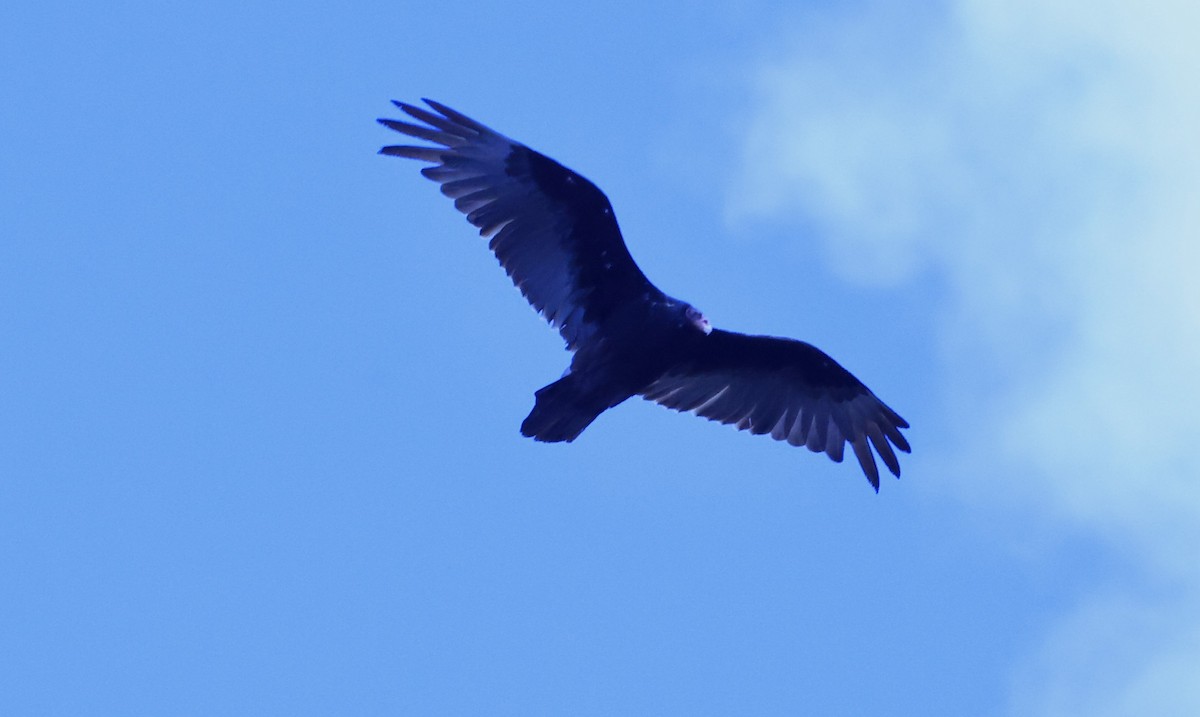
788,389
553,231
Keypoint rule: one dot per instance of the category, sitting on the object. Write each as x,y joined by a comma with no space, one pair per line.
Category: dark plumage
555,234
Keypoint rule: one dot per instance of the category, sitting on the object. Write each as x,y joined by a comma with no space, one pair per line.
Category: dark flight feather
553,231
788,389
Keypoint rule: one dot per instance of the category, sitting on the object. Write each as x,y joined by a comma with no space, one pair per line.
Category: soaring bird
555,234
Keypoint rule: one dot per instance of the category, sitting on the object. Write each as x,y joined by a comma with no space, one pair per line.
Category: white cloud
1044,159
1116,656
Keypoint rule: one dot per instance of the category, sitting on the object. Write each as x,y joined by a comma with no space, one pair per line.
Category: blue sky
260,387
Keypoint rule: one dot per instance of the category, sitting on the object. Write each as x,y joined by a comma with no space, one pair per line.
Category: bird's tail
561,413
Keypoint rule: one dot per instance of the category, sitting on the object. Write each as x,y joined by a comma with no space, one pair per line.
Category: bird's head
696,318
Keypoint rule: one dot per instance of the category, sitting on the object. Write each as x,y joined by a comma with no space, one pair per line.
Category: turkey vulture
555,234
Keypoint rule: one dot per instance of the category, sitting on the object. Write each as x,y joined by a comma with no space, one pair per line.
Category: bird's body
556,235
636,344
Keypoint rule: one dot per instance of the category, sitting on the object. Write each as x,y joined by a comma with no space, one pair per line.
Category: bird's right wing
788,389
553,231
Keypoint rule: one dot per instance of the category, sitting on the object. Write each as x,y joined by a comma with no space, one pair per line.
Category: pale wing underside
552,230
788,390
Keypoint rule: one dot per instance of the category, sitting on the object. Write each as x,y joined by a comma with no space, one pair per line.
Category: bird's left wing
553,231
788,389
